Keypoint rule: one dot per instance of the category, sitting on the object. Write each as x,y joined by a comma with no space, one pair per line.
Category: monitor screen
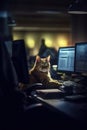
81,57
66,59
19,58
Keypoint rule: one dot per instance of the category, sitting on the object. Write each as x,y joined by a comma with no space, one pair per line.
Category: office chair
14,111
8,79
11,98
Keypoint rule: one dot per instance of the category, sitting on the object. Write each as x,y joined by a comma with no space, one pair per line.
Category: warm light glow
30,42
35,51
48,43
16,36
62,41
48,39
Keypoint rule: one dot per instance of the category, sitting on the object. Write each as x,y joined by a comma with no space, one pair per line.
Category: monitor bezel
65,71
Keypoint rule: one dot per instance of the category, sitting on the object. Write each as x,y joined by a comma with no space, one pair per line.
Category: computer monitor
81,57
66,59
19,58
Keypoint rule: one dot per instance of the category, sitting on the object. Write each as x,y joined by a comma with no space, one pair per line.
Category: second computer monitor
66,57
81,57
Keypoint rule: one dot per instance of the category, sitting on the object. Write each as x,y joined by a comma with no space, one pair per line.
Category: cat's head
43,64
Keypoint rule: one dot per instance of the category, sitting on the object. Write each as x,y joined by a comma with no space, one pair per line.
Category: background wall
52,39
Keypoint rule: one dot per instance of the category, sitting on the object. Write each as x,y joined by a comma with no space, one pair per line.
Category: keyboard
70,83
71,87
67,86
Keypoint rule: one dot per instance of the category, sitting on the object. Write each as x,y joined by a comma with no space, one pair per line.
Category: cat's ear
48,58
37,58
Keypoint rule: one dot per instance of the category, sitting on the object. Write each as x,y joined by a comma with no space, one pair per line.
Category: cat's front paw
57,83
60,84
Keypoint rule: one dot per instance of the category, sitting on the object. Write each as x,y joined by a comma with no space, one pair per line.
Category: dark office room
43,64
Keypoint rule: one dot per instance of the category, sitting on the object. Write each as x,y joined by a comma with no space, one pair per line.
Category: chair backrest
8,77
19,58
11,100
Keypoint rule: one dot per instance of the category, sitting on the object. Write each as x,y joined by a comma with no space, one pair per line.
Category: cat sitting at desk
40,73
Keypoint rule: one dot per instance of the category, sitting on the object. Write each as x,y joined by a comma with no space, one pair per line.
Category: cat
40,73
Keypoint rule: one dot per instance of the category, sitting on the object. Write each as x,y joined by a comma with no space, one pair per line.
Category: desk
76,111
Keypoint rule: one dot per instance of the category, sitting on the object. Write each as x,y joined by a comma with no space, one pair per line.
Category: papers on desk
50,93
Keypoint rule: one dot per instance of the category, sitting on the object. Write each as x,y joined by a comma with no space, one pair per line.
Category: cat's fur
40,73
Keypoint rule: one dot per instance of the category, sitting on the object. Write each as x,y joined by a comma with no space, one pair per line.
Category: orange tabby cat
40,73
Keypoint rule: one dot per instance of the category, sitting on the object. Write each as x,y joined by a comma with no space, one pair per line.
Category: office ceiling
40,15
